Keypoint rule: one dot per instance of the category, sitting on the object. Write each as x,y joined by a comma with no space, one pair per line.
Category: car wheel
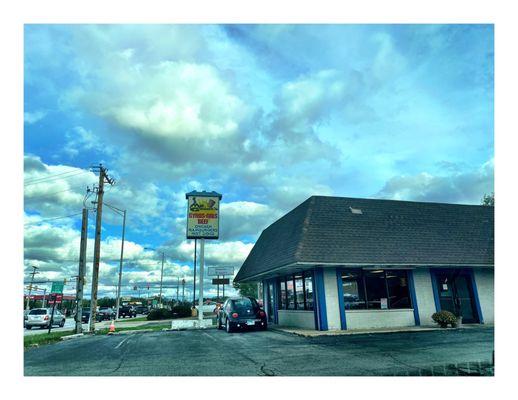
264,327
28,327
227,327
62,323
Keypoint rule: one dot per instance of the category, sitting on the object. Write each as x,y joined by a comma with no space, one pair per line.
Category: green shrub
181,311
159,313
444,318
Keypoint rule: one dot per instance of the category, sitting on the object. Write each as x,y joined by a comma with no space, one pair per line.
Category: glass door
456,294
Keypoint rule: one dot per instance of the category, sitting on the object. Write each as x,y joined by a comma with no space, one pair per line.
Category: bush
444,318
181,311
159,313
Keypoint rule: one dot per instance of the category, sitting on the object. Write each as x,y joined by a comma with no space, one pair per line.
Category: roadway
212,352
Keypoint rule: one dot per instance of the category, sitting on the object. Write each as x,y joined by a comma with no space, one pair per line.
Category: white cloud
33,117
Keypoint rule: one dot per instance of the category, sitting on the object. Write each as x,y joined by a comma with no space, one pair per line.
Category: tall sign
202,223
203,215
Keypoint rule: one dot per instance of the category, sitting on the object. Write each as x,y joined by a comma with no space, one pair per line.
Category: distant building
345,263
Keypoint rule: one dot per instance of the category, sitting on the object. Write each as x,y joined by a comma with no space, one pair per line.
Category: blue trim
435,291
475,295
411,287
322,310
343,322
275,301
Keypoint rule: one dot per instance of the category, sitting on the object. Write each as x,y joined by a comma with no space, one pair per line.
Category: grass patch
131,319
154,327
44,338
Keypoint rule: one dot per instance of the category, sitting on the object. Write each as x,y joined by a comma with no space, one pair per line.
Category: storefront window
397,283
354,294
282,294
290,293
299,292
376,289
308,287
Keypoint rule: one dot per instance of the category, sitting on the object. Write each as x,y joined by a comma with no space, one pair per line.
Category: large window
296,292
354,293
375,289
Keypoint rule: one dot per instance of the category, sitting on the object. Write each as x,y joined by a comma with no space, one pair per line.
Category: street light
161,272
123,213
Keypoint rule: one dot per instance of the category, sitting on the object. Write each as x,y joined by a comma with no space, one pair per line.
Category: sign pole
52,315
223,288
202,264
217,296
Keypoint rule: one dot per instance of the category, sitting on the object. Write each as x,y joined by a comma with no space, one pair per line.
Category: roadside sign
203,215
57,287
223,271
155,302
55,298
220,281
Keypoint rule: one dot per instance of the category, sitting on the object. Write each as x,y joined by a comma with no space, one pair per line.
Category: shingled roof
385,232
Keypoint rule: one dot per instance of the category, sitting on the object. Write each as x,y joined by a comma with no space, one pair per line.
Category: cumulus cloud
33,117
460,187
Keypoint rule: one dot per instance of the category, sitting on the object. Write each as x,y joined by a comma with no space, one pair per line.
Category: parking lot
215,353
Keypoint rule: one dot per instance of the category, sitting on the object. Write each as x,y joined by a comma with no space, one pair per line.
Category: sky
266,115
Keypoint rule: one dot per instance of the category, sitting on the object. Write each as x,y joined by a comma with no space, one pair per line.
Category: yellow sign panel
202,217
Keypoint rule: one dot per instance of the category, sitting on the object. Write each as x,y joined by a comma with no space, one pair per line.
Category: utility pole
34,272
97,244
194,280
177,289
82,271
183,289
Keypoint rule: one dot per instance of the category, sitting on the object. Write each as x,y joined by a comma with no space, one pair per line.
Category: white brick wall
484,279
297,318
331,292
424,295
365,319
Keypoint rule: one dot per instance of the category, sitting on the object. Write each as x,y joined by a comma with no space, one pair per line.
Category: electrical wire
45,180
52,219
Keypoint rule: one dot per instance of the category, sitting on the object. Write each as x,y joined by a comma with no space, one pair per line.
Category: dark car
127,311
85,315
241,312
105,313
142,310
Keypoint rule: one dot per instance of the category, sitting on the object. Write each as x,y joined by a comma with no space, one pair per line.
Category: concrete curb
68,337
367,332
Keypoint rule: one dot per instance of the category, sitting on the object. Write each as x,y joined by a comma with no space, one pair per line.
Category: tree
489,199
246,289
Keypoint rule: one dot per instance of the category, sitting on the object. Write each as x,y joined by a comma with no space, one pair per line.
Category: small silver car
40,317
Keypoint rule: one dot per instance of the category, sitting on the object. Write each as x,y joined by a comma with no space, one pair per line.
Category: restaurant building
336,263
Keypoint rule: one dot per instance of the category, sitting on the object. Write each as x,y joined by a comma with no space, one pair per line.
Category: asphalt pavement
215,353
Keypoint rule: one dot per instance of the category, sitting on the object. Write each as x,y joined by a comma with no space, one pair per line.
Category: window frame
362,278
284,281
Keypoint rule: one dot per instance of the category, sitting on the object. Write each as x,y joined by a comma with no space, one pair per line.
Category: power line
56,178
51,219
50,176
53,193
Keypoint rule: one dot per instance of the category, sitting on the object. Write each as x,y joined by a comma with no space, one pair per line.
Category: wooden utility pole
161,278
34,272
97,244
82,271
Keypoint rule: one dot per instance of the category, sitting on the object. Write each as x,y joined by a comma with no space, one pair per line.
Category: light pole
123,213
161,273
34,272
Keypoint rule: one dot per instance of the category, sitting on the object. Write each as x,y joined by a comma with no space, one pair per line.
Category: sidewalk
314,333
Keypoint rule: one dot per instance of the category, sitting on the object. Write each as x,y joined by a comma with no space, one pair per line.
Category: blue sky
267,115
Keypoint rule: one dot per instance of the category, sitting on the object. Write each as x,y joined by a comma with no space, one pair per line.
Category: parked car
41,317
85,315
142,310
241,312
208,307
25,317
127,311
105,313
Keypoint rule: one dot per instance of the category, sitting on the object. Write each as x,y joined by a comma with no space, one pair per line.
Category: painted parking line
209,336
122,341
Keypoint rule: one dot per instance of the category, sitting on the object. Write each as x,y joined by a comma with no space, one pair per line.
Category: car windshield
86,310
38,312
244,304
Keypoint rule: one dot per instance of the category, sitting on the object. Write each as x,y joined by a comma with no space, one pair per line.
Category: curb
68,337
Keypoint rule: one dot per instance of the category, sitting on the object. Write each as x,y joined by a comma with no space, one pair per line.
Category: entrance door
456,294
270,298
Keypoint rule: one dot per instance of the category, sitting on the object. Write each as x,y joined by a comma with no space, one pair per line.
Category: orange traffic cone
112,328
